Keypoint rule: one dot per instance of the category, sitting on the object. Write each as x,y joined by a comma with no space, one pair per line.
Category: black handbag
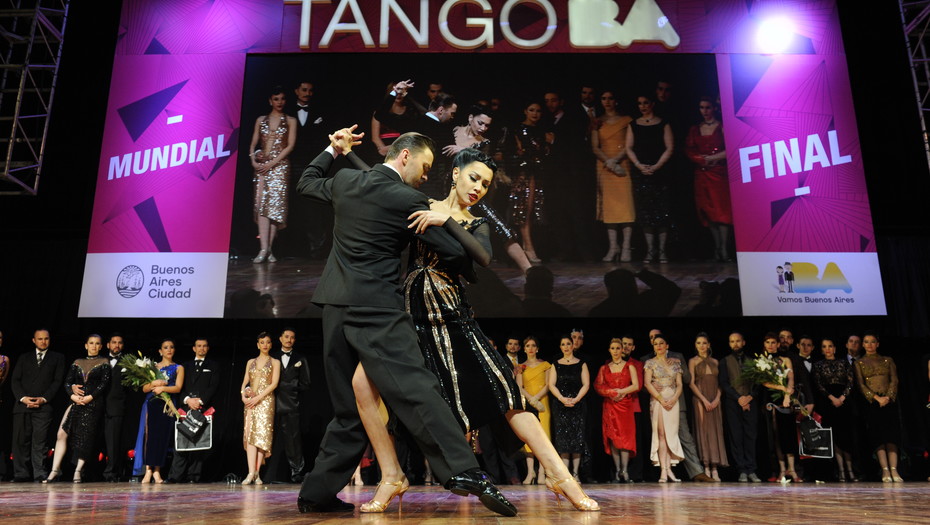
816,441
193,424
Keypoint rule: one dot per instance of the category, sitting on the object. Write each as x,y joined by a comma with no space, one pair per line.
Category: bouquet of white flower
138,372
769,370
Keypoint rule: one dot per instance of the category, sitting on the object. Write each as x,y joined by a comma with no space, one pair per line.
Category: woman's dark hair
702,334
263,335
659,336
276,90
532,338
873,333
770,335
470,155
480,109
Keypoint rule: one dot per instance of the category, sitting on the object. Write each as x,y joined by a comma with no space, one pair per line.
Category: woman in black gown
86,384
569,381
453,345
834,381
649,145
530,165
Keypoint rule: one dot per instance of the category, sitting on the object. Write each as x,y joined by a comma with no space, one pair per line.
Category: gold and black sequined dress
81,421
476,381
259,420
271,187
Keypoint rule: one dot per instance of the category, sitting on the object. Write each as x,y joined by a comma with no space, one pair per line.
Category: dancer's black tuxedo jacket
364,320
370,232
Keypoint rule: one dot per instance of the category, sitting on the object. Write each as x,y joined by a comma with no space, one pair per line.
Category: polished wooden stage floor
645,503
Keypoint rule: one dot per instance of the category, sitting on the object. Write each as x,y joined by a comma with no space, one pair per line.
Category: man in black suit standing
201,381
294,381
573,201
364,321
115,411
311,136
36,380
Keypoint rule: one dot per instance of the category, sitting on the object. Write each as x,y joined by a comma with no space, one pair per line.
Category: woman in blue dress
156,426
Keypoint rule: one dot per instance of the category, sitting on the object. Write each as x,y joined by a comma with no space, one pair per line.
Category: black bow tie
303,108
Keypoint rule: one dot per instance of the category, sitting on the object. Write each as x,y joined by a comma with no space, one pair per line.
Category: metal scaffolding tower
33,30
915,18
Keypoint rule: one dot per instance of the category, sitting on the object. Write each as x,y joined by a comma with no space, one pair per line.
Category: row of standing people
723,401
96,393
553,145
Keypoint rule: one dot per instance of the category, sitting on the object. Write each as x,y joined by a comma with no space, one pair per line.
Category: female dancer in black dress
569,381
834,380
453,345
86,383
649,145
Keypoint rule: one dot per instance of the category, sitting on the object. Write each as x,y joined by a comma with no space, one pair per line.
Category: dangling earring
453,183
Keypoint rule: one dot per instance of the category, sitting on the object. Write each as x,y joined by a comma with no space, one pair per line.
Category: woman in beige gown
614,187
663,381
708,416
258,385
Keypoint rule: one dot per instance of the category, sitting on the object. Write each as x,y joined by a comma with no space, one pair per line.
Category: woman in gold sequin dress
877,376
274,136
477,381
258,385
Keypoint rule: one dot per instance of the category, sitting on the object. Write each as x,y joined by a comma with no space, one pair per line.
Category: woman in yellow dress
614,187
258,385
532,376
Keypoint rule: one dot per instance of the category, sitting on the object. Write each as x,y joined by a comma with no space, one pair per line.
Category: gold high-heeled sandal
400,487
895,477
586,503
250,478
886,479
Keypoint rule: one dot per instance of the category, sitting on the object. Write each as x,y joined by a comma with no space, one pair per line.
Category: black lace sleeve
477,244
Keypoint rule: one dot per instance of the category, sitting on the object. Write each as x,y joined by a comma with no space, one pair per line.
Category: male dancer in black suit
364,321
36,380
294,380
201,381
115,411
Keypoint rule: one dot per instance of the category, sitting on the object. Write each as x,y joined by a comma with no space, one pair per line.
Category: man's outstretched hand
344,139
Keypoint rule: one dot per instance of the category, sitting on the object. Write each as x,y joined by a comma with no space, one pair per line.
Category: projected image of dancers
598,169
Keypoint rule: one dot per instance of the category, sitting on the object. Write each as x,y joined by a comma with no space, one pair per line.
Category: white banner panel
154,285
793,283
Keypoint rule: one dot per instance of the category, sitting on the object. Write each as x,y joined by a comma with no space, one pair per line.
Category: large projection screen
172,232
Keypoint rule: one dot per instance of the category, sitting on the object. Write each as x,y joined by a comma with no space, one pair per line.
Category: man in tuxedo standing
311,136
201,381
35,381
364,321
115,411
294,381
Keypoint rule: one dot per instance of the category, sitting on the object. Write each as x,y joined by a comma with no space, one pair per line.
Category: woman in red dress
706,149
618,382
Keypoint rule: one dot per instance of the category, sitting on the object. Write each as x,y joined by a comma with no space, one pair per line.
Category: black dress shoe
334,505
477,483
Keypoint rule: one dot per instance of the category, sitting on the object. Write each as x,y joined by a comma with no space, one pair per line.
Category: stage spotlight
775,35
